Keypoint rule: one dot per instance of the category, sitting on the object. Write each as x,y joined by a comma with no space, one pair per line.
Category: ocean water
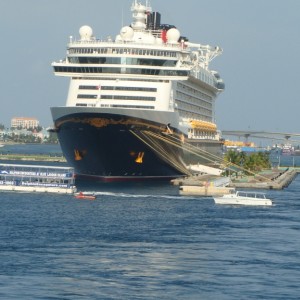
145,241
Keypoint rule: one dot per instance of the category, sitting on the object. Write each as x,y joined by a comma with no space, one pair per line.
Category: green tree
253,162
52,139
232,157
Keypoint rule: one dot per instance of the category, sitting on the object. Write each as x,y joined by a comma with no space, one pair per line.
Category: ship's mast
139,15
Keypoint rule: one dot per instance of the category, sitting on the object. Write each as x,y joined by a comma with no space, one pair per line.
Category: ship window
118,71
119,97
123,60
122,51
81,104
82,96
190,93
128,88
89,87
87,60
133,106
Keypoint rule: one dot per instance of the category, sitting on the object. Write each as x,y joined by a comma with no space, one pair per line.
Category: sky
259,65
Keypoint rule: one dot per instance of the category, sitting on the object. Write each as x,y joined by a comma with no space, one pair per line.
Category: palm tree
253,162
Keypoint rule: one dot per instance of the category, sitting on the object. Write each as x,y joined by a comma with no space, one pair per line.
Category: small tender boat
244,198
83,196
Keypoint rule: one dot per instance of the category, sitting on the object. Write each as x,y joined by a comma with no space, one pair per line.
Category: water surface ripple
144,241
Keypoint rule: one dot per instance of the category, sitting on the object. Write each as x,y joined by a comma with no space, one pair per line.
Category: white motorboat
244,198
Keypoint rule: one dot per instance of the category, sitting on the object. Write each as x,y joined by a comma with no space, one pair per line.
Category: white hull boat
244,198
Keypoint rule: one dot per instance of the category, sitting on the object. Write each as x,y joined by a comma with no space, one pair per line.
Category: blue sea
145,241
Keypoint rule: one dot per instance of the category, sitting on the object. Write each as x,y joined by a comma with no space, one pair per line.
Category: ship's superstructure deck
148,65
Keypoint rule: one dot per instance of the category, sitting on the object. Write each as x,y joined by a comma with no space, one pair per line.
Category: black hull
126,145
111,147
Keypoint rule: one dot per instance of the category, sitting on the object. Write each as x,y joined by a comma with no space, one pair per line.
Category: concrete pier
277,182
203,185
196,180
204,190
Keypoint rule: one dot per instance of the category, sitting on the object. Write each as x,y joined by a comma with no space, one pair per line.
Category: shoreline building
23,122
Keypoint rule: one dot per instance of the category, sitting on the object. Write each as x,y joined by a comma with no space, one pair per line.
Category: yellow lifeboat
203,125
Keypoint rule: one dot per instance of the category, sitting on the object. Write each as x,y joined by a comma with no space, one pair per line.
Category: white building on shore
24,122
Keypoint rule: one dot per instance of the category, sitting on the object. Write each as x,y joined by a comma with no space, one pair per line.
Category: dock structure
207,185
195,180
37,178
190,190
204,185
277,181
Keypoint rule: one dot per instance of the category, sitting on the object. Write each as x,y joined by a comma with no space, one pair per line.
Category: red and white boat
83,196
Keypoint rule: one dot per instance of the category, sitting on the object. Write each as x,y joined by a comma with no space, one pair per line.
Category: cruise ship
141,105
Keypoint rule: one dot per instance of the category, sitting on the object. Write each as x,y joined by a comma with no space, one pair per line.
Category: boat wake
124,195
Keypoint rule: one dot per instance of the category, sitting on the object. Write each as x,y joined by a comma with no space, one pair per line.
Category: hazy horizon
259,64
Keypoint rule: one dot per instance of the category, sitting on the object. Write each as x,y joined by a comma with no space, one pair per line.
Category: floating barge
37,178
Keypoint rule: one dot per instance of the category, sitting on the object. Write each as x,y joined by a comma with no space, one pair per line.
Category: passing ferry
37,178
140,105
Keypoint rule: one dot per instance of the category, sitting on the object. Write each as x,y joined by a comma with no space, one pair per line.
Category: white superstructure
148,66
